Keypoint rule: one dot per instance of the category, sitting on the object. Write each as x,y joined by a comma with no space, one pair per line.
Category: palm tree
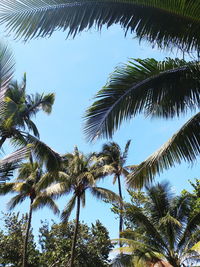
25,186
78,175
112,155
165,23
165,229
161,89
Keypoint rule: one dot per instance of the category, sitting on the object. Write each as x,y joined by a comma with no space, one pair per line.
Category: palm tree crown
164,230
78,175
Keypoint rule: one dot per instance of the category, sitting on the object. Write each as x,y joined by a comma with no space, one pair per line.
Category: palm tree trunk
121,208
25,260
75,232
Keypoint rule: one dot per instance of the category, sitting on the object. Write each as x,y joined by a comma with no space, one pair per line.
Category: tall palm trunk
121,208
25,259
75,232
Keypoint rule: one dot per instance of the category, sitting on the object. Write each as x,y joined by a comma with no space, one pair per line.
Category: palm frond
45,201
192,226
19,198
105,194
58,189
51,177
122,260
44,153
68,209
184,145
158,89
6,188
125,153
6,70
42,17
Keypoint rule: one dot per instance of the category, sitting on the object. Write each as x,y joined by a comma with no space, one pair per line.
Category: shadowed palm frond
126,149
41,151
184,145
68,209
29,19
158,89
103,193
45,201
16,200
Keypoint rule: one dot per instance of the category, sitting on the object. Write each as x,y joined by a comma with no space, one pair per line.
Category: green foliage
93,245
162,226
165,23
12,239
163,89
194,196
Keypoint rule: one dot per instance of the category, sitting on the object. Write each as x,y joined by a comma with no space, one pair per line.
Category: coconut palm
112,155
166,23
78,175
165,229
19,108
25,186
161,89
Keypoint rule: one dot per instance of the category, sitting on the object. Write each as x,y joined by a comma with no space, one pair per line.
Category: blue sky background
75,69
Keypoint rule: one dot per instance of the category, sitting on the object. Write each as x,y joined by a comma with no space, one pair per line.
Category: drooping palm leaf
158,89
43,200
171,22
68,209
184,145
6,70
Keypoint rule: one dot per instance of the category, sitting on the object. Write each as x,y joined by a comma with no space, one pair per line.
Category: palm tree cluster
165,230
78,174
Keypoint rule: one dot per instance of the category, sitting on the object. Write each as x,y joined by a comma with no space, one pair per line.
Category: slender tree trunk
75,233
2,140
25,259
121,208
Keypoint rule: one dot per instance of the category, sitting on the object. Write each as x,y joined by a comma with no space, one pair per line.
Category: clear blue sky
75,69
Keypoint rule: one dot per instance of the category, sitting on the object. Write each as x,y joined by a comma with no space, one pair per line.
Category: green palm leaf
103,193
178,20
184,145
68,209
158,89
43,200
6,70
16,200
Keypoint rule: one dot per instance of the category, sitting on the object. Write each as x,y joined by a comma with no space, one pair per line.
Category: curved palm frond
50,177
43,200
16,200
184,145
103,193
68,209
158,89
6,70
41,151
42,17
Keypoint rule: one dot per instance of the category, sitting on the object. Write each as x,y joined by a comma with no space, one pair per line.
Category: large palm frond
184,145
41,151
68,209
12,162
43,200
156,88
171,22
6,70
105,194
